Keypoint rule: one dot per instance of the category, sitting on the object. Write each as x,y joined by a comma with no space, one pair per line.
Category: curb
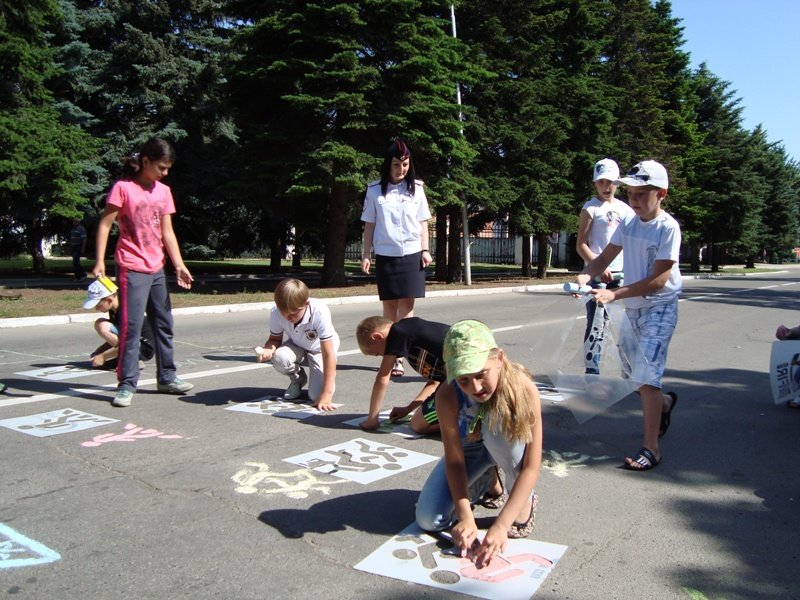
246,307
251,306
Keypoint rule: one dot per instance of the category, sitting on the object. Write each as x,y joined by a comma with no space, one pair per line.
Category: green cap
466,348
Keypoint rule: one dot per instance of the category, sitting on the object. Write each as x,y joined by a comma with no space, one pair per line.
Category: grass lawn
234,281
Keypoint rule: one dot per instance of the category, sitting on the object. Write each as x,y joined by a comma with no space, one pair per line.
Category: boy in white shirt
652,241
311,341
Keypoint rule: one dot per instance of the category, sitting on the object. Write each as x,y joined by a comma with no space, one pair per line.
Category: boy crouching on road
102,296
311,341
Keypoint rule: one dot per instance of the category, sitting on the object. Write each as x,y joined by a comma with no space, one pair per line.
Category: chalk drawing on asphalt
56,422
361,460
416,556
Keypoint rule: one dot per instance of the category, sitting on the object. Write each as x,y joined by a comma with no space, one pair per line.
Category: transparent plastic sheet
561,357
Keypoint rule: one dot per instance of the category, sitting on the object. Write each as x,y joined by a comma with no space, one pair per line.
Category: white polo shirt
645,242
398,218
315,326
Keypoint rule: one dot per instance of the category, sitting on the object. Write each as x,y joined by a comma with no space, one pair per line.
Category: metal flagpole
464,213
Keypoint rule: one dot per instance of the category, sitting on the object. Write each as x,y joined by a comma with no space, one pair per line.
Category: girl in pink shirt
143,208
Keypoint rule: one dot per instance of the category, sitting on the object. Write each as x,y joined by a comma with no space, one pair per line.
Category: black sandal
644,461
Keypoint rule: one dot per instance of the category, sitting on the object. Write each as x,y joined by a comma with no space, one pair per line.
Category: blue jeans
139,292
435,508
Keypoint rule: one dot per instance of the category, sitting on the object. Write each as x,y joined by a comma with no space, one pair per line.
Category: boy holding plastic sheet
652,241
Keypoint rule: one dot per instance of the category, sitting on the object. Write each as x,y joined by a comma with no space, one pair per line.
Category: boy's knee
283,360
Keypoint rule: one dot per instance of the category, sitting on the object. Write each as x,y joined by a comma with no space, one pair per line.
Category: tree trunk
35,235
440,272
541,263
694,257
715,254
275,254
297,258
527,270
454,270
336,238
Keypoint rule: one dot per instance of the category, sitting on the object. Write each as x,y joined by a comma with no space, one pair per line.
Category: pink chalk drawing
496,573
132,433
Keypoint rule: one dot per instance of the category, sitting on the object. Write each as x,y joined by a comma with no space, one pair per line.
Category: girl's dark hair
154,149
397,149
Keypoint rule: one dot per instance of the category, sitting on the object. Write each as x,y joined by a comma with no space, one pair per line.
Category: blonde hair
511,411
291,294
366,328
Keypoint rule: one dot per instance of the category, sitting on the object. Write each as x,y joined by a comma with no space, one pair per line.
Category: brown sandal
523,530
498,501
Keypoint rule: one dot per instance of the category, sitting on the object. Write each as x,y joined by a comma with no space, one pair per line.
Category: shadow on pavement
355,511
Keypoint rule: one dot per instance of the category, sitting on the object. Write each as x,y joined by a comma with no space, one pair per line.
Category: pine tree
321,89
134,70
41,157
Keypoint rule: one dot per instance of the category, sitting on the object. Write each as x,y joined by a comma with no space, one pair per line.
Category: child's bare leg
103,327
420,425
654,402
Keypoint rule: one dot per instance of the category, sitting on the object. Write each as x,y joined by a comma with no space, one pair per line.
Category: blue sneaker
176,386
123,398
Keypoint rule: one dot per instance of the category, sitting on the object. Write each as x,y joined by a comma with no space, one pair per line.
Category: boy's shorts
428,410
653,327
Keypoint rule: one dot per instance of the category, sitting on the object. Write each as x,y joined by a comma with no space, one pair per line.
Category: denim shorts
653,327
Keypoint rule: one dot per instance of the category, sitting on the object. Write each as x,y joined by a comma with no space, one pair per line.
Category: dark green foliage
280,112
42,157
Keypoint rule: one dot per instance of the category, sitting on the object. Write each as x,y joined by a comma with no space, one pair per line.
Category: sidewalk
235,308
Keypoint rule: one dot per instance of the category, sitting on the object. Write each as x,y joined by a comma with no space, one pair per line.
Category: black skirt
400,276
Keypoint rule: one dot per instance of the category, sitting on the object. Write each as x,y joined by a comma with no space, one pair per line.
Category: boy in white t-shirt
652,241
311,341
599,219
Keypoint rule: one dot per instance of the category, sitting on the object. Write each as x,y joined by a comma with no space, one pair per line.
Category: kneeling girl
490,417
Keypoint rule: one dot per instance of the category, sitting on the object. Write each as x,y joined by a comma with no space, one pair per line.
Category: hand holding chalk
262,354
574,288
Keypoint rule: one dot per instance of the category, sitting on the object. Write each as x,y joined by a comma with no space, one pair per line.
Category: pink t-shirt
140,247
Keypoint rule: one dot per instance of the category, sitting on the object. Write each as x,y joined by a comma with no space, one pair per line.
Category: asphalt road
181,498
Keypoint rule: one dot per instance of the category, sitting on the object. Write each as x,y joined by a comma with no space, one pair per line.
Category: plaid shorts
653,327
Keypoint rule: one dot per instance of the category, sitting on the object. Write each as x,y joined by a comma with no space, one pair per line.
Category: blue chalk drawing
16,550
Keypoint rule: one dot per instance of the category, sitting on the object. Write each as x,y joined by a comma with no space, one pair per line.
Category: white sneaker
296,387
176,386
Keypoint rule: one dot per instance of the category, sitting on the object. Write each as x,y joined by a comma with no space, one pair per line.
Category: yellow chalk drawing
256,478
559,463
